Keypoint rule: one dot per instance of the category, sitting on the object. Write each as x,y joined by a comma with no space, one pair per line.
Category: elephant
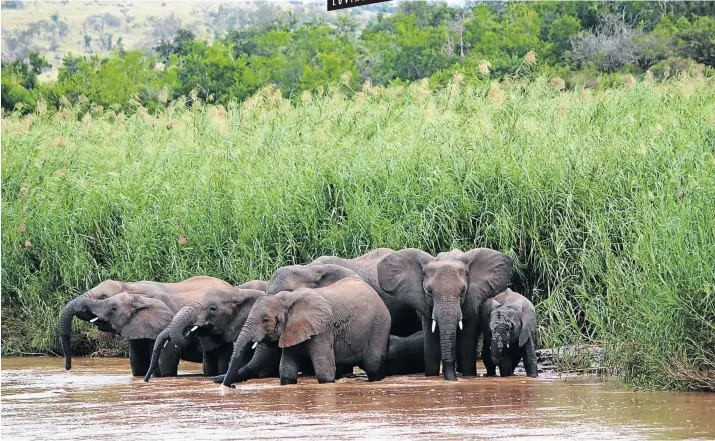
508,324
340,324
217,316
174,295
447,292
139,319
405,355
404,320
260,285
289,278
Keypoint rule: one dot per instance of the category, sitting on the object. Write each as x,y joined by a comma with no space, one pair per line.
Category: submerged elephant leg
169,360
432,348
487,358
289,366
210,363
322,355
224,358
506,367
467,347
140,356
375,355
530,359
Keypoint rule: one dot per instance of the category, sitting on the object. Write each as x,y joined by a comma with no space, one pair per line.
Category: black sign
334,5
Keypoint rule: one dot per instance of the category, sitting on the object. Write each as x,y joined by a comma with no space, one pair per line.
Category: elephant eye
212,309
114,308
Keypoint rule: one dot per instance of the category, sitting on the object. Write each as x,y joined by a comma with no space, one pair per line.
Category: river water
98,399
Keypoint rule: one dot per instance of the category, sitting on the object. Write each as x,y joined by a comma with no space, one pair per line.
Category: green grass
604,202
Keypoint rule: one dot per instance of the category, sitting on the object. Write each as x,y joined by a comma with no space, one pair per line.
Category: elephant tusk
94,320
254,345
460,325
166,343
194,328
507,345
434,325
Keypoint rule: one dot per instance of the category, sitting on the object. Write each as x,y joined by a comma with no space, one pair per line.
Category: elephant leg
322,355
140,356
343,371
530,359
375,355
467,347
210,364
433,353
506,368
169,360
487,358
288,369
224,359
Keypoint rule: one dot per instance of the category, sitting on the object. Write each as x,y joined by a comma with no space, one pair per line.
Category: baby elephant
343,324
508,323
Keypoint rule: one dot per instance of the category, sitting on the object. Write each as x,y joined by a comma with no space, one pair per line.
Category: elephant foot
325,381
490,374
432,374
534,375
285,381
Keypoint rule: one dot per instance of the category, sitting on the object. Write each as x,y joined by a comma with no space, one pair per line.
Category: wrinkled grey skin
447,292
509,323
138,319
341,324
288,278
404,321
174,295
218,317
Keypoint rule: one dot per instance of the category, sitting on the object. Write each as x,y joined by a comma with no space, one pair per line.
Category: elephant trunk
497,348
68,313
448,321
178,327
161,340
244,338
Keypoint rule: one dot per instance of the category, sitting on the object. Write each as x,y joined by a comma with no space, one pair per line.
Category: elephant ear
400,275
308,315
528,322
148,318
489,274
327,274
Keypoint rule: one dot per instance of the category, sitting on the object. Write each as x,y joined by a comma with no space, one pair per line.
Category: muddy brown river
98,399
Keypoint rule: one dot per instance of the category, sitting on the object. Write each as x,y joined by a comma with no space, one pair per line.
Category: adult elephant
174,295
139,319
447,292
287,278
218,316
344,324
404,320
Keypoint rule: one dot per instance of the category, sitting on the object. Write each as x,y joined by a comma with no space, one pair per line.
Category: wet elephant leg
467,347
289,366
432,348
210,364
322,356
169,360
140,356
530,359
224,359
487,358
506,367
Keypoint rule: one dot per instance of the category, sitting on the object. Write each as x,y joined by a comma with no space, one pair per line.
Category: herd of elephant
388,312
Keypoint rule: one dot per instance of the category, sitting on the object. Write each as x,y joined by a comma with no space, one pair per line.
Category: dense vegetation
587,44
604,201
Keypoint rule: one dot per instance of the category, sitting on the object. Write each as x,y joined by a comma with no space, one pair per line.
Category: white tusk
507,345
460,325
254,345
94,320
434,325
166,343
194,328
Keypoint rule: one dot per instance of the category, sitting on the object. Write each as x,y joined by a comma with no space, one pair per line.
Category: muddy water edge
99,399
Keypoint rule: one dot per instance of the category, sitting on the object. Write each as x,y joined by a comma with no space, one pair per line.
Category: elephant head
80,307
445,289
219,312
288,318
293,277
512,322
132,316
